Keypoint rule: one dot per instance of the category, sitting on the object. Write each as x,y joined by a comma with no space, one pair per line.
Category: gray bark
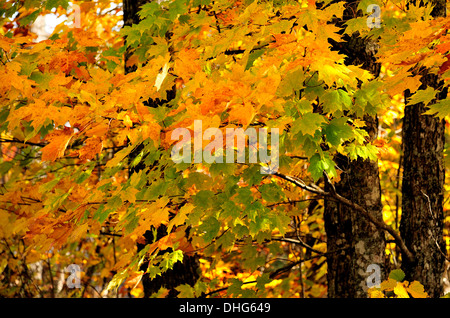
358,242
422,220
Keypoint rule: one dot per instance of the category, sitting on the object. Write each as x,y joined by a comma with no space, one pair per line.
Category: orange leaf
242,113
134,279
94,145
417,290
59,139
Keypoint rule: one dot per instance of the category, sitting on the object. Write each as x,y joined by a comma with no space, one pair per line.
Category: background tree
422,221
186,271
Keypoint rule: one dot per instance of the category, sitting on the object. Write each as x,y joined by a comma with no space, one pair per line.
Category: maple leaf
153,214
5,43
58,142
186,64
308,124
337,130
232,63
417,290
92,147
242,113
401,291
440,109
423,96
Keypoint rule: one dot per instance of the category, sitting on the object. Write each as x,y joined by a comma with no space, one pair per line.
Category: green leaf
338,130
46,187
50,4
262,281
369,98
117,280
170,259
218,168
397,274
185,291
363,151
252,175
235,287
210,228
271,192
308,124
318,165
84,175
423,96
439,109
244,196
226,241
156,189
334,100
5,167
203,199
252,58
133,222
364,4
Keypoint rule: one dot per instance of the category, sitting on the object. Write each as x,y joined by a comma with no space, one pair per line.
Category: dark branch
332,194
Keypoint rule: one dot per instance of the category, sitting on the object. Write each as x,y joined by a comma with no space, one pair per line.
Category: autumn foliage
73,126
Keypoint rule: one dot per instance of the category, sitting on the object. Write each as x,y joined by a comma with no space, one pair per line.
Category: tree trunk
422,219
354,242
186,272
357,242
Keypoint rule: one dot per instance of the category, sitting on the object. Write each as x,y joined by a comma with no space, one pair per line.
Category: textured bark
357,242
422,219
186,272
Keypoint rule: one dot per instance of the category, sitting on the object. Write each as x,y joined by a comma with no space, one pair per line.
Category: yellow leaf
153,214
5,43
127,121
375,293
180,217
79,232
400,291
417,290
389,284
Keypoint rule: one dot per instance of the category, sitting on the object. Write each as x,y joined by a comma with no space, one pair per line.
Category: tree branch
333,194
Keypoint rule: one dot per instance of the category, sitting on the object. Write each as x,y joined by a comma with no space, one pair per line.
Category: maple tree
88,177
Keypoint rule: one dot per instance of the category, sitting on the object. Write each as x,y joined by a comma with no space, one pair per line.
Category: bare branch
333,194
